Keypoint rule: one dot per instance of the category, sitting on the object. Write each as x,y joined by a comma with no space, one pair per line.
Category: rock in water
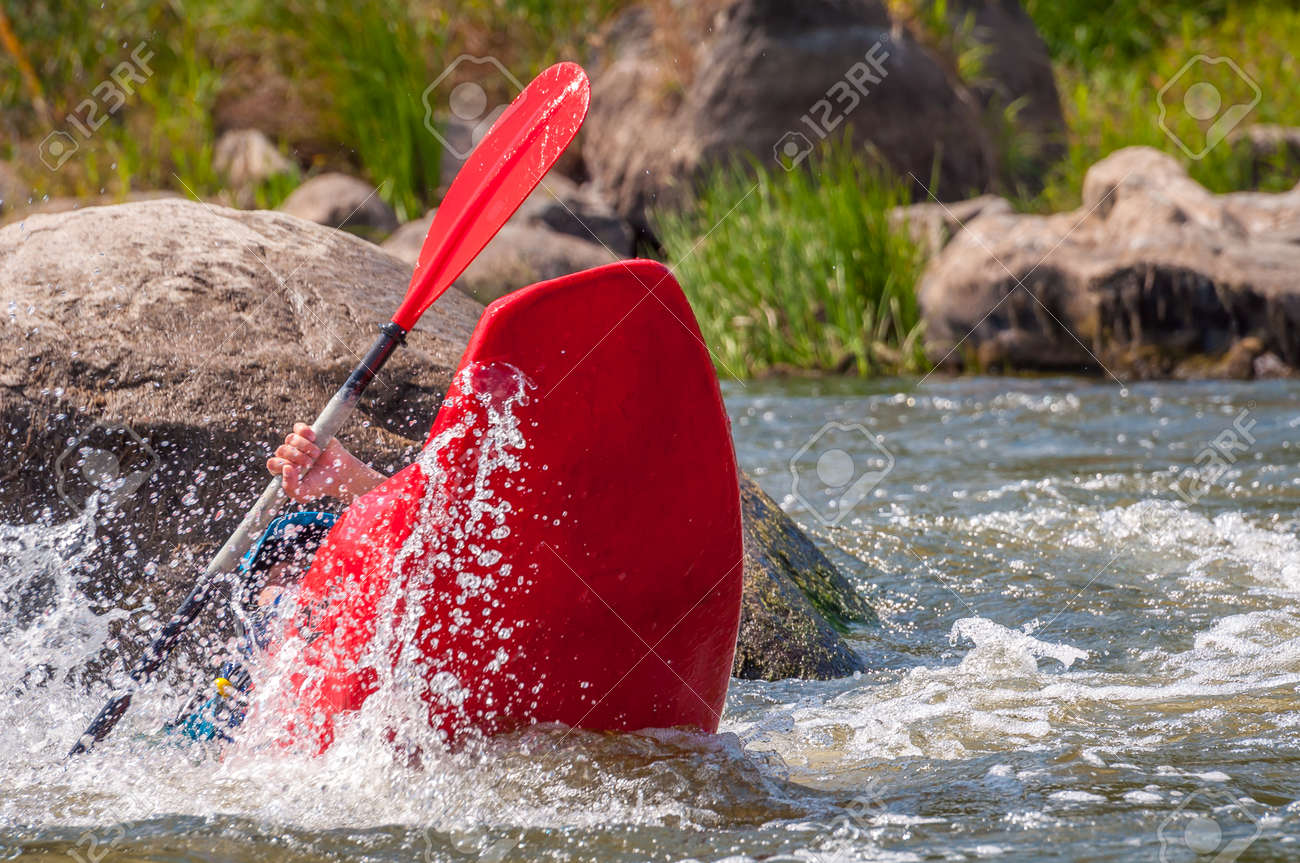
206,332
794,602
1153,276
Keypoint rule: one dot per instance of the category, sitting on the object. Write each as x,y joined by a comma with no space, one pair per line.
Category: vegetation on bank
807,271
1113,59
356,72
800,269
759,279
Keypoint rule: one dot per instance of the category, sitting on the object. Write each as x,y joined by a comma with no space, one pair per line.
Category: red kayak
566,549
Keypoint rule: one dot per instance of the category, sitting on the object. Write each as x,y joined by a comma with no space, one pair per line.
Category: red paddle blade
504,168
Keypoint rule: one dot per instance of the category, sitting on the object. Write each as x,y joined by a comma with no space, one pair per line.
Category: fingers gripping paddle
504,168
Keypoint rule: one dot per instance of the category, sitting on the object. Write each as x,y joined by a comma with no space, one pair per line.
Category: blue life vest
212,715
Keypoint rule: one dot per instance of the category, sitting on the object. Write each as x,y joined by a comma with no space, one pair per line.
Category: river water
1089,650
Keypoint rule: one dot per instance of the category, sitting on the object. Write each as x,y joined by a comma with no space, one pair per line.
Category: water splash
461,521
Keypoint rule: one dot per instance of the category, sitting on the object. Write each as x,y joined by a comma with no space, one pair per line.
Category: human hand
310,472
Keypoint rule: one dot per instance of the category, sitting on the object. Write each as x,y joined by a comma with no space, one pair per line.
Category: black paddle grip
391,336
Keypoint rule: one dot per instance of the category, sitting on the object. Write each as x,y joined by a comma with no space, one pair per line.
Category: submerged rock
796,602
1153,276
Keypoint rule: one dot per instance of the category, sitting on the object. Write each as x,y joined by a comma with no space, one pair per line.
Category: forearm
357,478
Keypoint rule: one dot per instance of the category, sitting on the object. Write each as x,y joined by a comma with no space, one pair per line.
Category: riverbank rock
933,225
521,255
674,94
339,201
1015,74
564,206
256,94
245,158
204,332
1153,276
560,228
796,602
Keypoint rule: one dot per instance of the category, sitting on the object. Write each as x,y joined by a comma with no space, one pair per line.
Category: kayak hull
568,547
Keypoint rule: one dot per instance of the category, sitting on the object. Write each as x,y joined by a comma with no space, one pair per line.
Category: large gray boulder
157,349
205,332
674,94
1152,276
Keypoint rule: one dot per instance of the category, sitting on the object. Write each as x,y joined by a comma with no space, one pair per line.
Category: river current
1089,650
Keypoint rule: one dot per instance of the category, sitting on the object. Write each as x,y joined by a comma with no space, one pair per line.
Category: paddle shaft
327,424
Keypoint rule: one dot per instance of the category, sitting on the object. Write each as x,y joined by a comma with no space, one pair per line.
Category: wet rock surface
206,332
795,603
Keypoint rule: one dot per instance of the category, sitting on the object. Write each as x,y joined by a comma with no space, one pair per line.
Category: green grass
800,269
366,61
161,128
371,60
1091,34
374,58
1113,104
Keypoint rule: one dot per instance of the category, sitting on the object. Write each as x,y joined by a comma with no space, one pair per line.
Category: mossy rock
795,603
